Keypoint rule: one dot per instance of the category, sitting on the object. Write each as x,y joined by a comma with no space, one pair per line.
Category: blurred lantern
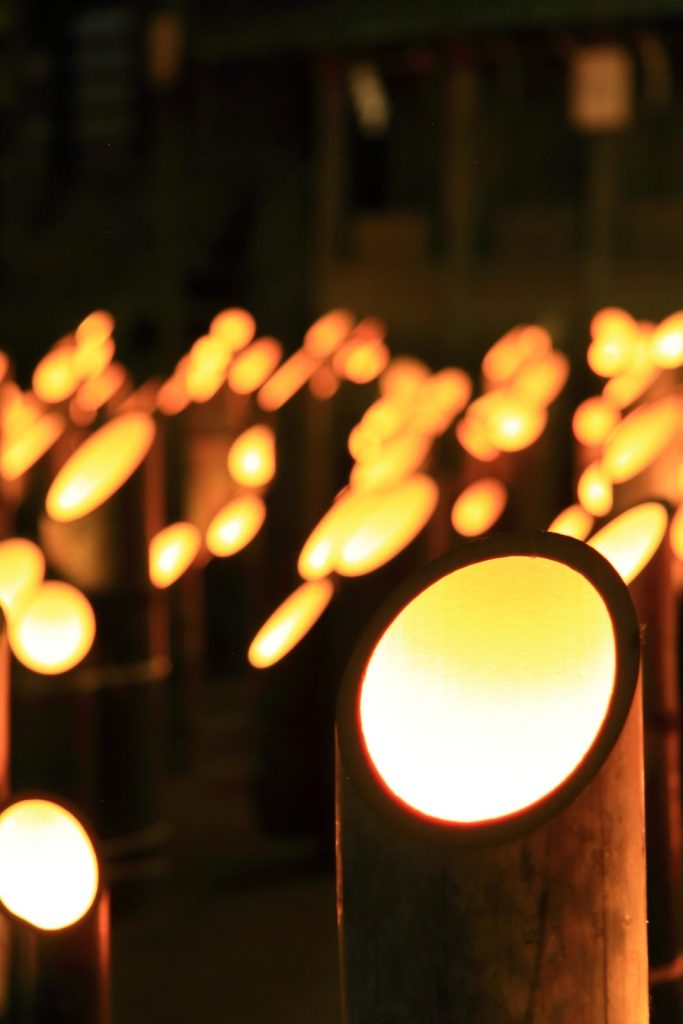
328,332
235,525
614,342
594,491
513,422
642,437
318,556
440,399
479,507
593,421
254,365
56,376
92,359
95,329
626,388
395,460
251,458
290,622
21,449
473,437
171,552
22,570
95,392
630,540
53,629
235,327
666,342
573,521
403,377
542,379
505,358
324,383
289,378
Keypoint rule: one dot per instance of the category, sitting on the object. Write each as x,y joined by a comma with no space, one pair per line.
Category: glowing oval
666,342
641,437
573,521
22,570
21,451
478,701
541,380
328,332
251,457
472,435
396,459
324,383
289,623
235,326
626,388
479,507
512,350
171,552
594,491
254,365
289,378
92,359
49,875
319,554
403,377
440,399
594,420
235,525
172,397
361,360
514,423
97,391
614,341
630,540
55,378
391,522
95,328
100,466
53,630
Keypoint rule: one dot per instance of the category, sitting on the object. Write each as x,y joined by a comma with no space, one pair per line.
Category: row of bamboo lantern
83,468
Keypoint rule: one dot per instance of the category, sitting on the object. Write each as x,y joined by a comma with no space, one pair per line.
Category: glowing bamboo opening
319,554
473,437
328,332
324,383
403,377
97,391
514,423
615,339
53,630
49,875
92,359
95,329
627,387
630,540
509,353
289,623
171,552
289,378
479,507
542,379
22,570
594,420
236,327
573,521
100,466
203,372
361,360
641,437
594,491
397,459
386,417
251,457
21,451
666,342
172,397
478,699
55,378
235,525
440,399
254,365
391,522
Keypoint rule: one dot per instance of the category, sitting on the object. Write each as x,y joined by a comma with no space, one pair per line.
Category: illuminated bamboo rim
472,435
626,388
22,570
235,525
56,377
594,420
629,541
171,552
615,340
403,377
251,457
21,451
324,383
361,360
235,327
676,533
95,329
254,365
594,491
49,874
289,623
92,359
53,630
398,458
509,353
289,378
391,522
479,507
97,391
641,437
100,466
491,687
514,422
328,332
666,342
573,521
440,399
319,554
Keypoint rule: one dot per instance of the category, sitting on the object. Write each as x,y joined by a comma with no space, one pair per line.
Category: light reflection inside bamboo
252,367
630,540
171,552
479,507
290,622
594,491
642,437
235,525
251,457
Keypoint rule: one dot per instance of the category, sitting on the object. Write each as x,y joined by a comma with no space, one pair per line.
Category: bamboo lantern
490,859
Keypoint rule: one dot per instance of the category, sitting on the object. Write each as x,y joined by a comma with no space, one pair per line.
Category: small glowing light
251,457
361,360
236,327
55,378
22,570
573,521
235,525
391,522
641,437
53,630
386,418
626,388
100,466
254,365
91,360
630,540
328,332
319,554
542,379
289,378
487,690
97,391
95,329
397,459
403,377
324,383
594,491
509,353
479,507
513,422
290,622
172,397
202,371
370,99
594,420
666,342
440,399
472,435
49,874
171,552
21,451
615,338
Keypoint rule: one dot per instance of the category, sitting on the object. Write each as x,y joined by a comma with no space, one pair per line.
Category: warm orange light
386,417
594,491
594,420
626,388
403,377
479,507
509,353
251,457
53,630
97,391
319,554
92,359
289,623
615,338
56,377
203,370
289,378
630,540
328,332
254,365
22,570
324,383
486,691
573,521
542,379
439,400
396,460
96,328
472,435
49,875
641,437
22,450
235,525
171,552
513,422
391,521
236,327
100,466
20,409
172,397
666,342
361,360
